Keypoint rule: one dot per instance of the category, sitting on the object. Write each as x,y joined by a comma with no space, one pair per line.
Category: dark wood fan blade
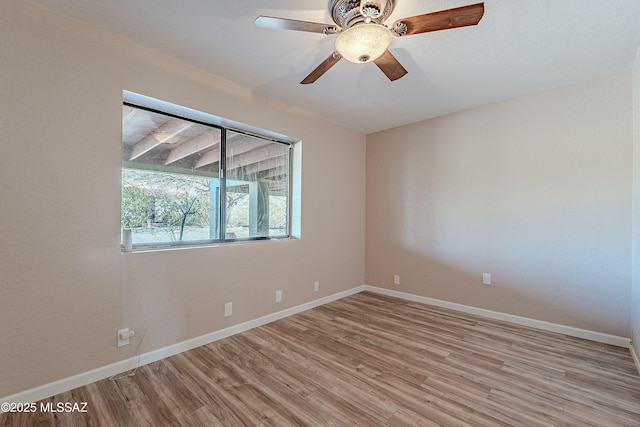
390,66
443,20
292,24
322,68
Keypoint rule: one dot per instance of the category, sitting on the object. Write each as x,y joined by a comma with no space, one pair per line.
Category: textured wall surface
65,286
535,191
635,294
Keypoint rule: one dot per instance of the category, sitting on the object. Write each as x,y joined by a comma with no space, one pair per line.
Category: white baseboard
634,354
66,384
524,321
635,347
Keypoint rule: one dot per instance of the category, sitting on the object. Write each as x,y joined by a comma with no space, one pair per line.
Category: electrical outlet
486,278
278,296
123,336
228,309
396,279
316,286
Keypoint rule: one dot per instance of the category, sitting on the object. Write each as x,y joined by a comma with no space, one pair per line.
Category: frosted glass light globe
363,42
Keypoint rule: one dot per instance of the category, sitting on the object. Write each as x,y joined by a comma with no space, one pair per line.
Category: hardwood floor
370,360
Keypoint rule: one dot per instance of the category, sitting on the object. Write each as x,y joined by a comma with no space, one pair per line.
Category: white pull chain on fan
363,37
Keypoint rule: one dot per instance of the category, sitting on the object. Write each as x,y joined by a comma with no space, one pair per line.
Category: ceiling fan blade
390,66
292,24
322,68
443,20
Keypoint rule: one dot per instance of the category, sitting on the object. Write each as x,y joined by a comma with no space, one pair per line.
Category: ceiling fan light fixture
363,42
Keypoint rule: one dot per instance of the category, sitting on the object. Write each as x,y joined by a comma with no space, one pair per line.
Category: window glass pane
173,192
257,187
169,144
170,183
163,207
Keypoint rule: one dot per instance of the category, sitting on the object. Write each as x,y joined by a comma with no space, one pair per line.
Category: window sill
161,248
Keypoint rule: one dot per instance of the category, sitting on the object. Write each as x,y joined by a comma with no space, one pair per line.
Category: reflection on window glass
257,187
173,182
163,207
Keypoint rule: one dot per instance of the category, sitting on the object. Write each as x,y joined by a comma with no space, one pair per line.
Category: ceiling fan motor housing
346,13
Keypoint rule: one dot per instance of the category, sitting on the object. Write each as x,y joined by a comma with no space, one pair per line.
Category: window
189,182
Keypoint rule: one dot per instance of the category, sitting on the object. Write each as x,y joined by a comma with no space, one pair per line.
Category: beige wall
65,288
635,295
535,191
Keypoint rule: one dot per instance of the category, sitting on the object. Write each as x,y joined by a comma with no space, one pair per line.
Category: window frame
222,178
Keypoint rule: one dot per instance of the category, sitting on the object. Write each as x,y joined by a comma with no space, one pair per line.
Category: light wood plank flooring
370,360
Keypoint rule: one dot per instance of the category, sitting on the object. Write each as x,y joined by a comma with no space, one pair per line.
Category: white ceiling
519,47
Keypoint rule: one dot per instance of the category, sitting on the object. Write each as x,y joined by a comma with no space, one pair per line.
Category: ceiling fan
363,37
